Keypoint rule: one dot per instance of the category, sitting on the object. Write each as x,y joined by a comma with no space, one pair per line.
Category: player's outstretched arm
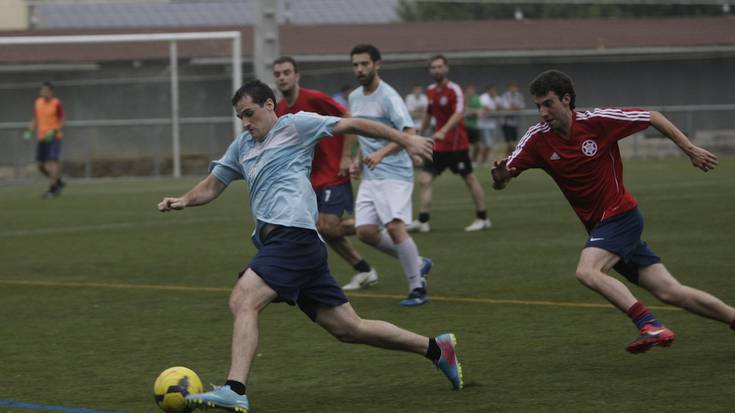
414,144
204,192
701,158
501,174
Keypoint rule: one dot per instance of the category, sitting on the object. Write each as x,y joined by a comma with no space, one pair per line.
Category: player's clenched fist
169,204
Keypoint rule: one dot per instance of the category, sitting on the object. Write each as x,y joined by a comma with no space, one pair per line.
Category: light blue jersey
277,169
385,106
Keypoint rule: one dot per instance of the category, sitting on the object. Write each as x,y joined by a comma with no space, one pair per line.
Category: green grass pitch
99,292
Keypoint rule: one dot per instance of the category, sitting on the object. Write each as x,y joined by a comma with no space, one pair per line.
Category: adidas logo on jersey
554,157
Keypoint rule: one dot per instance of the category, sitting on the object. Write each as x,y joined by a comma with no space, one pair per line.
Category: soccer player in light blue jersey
274,157
384,197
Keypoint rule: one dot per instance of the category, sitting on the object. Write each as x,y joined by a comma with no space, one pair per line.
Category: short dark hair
439,57
287,59
367,48
553,81
48,84
258,91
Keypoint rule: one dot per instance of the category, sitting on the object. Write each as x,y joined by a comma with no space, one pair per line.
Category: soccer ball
172,386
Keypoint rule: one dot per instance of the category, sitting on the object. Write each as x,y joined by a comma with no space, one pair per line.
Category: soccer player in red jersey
330,176
580,152
451,148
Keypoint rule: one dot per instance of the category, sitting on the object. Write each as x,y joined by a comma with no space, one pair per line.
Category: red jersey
443,103
328,152
587,167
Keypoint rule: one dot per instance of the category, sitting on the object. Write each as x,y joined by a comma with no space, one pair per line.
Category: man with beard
451,148
330,176
384,197
579,150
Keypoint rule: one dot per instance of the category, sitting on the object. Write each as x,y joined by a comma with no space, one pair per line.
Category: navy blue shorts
621,235
335,199
293,262
48,151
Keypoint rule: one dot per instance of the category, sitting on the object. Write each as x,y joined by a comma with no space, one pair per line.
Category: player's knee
425,180
346,333
328,230
396,231
671,294
586,276
235,305
240,303
367,235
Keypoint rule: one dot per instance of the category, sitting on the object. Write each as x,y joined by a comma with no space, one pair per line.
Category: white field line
110,226
523,200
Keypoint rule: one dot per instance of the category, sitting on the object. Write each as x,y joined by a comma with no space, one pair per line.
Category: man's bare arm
701,158
204,192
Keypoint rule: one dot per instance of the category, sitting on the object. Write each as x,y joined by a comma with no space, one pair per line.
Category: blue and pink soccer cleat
220,398
448,362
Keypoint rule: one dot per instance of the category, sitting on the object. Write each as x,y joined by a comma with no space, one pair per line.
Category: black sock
423,217
732,325
362,266
236,386
481,214
434,352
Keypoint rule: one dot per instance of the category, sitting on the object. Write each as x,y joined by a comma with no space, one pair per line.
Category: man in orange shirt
48,119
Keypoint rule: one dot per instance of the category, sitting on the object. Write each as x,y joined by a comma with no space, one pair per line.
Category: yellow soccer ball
172,386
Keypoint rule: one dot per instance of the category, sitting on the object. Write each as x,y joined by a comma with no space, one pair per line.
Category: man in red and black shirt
451,148
579,150
330,176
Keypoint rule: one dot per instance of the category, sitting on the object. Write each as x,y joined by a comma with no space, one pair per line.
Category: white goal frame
173,39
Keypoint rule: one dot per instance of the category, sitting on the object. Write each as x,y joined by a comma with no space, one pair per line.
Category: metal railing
692,119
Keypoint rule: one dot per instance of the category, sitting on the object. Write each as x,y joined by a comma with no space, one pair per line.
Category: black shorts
510,133
48,151
293,262
458,162
473,135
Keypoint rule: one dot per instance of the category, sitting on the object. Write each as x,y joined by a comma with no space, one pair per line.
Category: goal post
173,39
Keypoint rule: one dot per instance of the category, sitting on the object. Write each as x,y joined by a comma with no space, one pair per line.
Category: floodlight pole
175,133
266,45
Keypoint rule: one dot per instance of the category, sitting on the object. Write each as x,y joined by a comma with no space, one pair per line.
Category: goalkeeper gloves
50,135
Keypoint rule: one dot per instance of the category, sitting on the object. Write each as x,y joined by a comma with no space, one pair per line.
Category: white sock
408,255
386,244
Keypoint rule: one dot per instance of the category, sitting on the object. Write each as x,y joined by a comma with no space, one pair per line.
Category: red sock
641,315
